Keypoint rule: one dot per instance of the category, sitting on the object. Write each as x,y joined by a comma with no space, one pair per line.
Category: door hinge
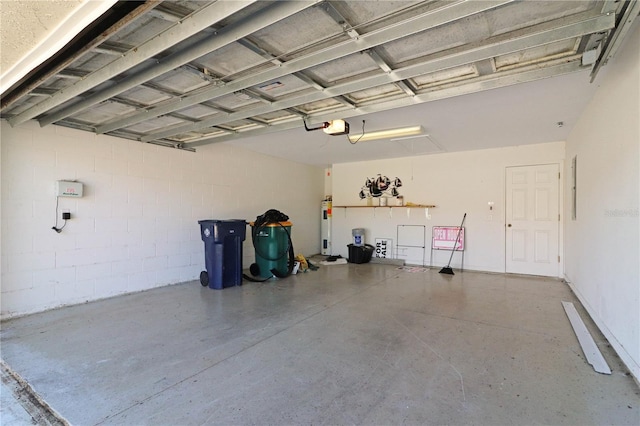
558,175
558,258
558,217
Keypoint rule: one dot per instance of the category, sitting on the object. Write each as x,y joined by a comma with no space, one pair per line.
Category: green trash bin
271,242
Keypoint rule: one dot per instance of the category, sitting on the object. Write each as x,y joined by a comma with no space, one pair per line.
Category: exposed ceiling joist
386,68
492,81
538,35
220,38
264,66
434,18
207,16
276,61
354,34
630,13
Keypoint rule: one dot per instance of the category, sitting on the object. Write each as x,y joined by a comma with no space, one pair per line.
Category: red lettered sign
444,238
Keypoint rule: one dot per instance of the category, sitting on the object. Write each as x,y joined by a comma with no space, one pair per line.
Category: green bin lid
287,223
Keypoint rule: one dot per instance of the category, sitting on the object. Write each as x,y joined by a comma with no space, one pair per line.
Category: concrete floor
348,344
11,412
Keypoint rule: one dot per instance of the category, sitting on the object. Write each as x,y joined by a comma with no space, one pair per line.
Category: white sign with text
383,248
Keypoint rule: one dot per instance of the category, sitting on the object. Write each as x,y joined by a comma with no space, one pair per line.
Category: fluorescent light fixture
336,127
387,134
404,138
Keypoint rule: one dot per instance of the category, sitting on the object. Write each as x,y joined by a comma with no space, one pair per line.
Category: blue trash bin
222,252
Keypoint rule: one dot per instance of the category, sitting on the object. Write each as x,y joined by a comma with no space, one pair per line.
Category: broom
447,269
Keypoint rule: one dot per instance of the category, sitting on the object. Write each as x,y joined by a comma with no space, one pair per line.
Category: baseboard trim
625,356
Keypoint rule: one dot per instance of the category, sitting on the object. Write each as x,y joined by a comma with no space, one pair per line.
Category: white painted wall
457,183
327,182
603,243
136,226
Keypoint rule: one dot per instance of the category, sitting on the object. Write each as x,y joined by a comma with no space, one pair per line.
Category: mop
447,269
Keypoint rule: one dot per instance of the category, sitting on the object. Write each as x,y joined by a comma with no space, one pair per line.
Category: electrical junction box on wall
65,188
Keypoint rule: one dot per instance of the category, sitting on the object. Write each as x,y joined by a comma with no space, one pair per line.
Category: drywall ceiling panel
365,16
276,116
199,111
191,136
445,76
282,86
199,37
248,12
476,28
294,36
57,83
27,102
387,92
538,54
98,88
249,72
528,13
181,81
319,106
435,40
144,96
240,125
158,123
103,112
144,28
358,64
91,62
236,101
233,59
208,133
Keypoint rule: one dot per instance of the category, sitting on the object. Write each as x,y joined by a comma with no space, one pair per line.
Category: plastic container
360,254
222,252
271,243
358,236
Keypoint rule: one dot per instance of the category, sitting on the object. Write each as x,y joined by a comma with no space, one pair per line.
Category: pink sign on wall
444,238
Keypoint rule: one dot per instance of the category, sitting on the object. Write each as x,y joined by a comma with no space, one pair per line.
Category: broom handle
457,238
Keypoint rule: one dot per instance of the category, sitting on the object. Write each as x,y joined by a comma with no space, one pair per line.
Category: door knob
509,225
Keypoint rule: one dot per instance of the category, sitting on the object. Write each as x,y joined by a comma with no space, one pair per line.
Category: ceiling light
404,138
387,134
337,127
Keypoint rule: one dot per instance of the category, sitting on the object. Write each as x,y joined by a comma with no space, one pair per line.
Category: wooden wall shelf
426,208
415,206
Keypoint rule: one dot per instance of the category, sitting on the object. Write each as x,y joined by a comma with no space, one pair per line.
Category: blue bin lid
217,230
221,220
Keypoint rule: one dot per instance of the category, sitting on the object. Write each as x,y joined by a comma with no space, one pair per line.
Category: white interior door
532,220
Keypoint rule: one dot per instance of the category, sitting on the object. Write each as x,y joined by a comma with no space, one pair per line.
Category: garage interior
170,112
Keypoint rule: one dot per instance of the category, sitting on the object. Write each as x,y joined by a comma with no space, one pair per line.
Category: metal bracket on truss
322,126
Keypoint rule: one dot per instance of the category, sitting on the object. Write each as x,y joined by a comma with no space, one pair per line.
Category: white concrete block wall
136,226
603,242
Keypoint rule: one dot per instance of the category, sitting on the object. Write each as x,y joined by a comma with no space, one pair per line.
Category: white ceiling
34,30
36,19
539,82
517,115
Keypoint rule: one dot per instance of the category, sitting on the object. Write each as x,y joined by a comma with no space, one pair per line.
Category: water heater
325,228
